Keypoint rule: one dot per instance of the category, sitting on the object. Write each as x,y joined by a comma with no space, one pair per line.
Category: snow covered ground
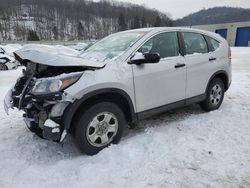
182,148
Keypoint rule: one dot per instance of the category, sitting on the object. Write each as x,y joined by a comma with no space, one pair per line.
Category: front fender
72,108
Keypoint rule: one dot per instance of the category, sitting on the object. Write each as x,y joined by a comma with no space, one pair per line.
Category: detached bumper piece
50,130
49,134
38,116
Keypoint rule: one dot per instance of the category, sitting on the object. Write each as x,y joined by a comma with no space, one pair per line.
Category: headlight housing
55,84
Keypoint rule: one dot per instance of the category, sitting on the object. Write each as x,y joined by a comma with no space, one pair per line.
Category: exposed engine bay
39,92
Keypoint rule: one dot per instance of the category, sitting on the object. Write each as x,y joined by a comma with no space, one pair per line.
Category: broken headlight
55,84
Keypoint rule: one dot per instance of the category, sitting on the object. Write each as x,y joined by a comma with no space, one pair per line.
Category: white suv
121,79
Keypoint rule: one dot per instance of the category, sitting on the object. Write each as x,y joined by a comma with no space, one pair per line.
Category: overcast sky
181,8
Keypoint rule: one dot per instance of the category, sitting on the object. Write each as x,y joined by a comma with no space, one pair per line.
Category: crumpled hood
50,56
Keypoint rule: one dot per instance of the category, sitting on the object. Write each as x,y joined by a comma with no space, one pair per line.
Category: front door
161,83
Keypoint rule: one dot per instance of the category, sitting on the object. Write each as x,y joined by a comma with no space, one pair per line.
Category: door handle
179,65
212,58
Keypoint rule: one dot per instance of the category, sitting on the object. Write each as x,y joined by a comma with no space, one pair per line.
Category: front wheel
98,127
214,95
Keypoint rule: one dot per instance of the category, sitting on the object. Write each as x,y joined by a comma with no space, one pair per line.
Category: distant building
237,34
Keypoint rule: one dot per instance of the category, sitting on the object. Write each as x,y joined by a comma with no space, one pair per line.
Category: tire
3,67
214,95
98,127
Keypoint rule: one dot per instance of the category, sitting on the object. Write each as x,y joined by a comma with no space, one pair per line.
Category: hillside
214,16
72,19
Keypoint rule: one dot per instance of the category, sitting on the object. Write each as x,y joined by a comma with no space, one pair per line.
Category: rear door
199,61
164,82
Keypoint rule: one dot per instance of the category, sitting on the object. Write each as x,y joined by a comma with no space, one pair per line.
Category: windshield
112,46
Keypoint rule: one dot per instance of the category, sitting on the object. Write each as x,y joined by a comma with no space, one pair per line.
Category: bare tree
70,20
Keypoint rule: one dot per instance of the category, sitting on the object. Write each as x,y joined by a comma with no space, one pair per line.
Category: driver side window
165,44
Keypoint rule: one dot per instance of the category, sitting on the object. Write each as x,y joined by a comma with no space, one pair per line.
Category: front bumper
36,114
47,132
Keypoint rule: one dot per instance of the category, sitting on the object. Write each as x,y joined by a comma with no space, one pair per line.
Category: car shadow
164,118
38,150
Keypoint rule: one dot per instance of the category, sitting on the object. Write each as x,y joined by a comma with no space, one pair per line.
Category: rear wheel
3,67
98,127
215,95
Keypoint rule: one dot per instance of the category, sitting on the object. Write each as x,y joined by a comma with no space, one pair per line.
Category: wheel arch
223,76
117,96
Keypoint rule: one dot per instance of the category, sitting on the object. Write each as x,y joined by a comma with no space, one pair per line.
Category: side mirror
140,58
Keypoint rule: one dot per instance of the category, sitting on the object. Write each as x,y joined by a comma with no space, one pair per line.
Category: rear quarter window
214,43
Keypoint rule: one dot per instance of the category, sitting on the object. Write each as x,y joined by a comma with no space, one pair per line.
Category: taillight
229,53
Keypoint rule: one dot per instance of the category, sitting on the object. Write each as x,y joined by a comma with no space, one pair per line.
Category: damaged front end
41,96
40,91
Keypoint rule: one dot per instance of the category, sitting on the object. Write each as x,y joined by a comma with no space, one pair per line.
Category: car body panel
116,74
199,71
200,68
160,83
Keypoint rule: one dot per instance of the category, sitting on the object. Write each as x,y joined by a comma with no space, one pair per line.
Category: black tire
212,102
3,67
83,123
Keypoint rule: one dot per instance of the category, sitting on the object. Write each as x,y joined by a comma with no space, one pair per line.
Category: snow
10,48
55,49
51,124
8,53
181,148
55,56
79,46
55,130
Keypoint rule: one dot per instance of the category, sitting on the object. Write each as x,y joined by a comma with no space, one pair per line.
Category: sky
181,8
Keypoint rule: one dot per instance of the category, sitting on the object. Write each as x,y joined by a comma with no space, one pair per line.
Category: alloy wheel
102,129
216,95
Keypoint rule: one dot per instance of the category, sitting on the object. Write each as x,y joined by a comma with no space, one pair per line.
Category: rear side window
166,44
214,43
195,43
